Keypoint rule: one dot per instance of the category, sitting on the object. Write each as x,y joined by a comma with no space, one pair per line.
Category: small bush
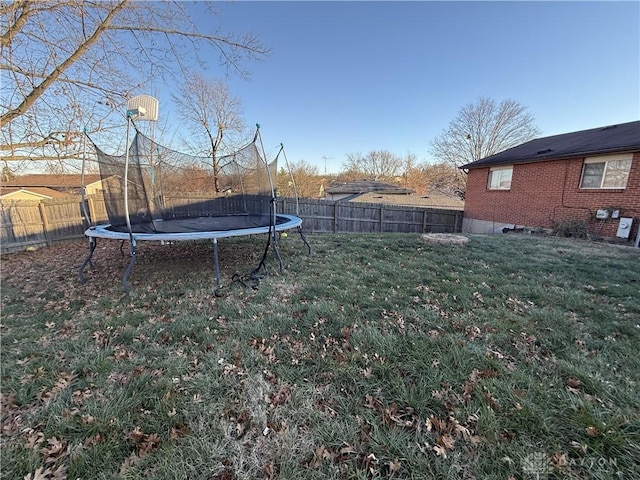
572,227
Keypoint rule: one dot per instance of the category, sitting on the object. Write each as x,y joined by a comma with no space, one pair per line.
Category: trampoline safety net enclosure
155,193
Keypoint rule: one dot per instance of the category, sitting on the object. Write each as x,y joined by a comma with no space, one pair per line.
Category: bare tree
482,129
425,177
306,177
209,106
444,178
71,64
376,165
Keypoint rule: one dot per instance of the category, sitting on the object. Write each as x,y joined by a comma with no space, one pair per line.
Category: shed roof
624,137
363,186
435,199
51,181
43,192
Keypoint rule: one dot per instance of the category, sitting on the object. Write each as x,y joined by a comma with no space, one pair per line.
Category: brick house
591,175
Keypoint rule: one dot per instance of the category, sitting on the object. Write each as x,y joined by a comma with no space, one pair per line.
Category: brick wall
543,193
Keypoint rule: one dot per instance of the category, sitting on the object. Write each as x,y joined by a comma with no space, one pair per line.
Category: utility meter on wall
624,227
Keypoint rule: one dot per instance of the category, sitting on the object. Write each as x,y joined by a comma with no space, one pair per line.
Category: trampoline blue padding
197,228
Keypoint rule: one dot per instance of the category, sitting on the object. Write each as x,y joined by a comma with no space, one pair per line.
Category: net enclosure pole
83,190
92,241
126,177
144,107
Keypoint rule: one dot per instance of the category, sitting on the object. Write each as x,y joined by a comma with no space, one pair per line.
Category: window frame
499,169
606,159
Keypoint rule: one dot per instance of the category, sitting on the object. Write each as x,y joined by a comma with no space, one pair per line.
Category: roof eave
546,158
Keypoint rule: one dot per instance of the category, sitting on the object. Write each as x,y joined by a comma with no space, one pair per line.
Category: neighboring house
30,193
591,175
379,192
349,190
70,184
434,199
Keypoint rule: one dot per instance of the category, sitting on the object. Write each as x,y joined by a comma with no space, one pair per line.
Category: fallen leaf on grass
94,440
592,431
34,439
492,402
320,454
280,397
178,431
575,391
394,467
440,451
39,474
79,396
560,460
55,450
62,383
150,443
573,382
446,441
136,435
59,473
147,442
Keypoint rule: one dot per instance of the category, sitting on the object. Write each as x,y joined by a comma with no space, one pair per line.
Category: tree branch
75,56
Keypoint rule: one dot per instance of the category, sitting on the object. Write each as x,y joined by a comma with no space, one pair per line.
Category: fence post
381,215
92,210
335,217
45,222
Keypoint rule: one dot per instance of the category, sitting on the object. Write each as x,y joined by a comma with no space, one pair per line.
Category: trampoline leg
216,263
276,252
127,272
92,246
304,240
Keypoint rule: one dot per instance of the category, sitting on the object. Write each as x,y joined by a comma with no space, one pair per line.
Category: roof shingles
51,181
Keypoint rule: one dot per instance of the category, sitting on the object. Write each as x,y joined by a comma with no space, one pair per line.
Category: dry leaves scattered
144,444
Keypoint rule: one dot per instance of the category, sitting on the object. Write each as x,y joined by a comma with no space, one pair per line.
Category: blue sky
348,77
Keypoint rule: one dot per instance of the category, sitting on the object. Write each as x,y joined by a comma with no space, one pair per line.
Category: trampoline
154,193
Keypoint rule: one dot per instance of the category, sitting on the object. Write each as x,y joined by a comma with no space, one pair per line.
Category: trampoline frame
102,231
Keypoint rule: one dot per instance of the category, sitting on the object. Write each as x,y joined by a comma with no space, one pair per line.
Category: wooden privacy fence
38,223
31,222
356,217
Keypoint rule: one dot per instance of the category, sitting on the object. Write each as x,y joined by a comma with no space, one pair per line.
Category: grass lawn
378,356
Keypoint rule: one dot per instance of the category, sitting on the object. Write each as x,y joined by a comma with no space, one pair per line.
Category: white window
608,171
500,178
